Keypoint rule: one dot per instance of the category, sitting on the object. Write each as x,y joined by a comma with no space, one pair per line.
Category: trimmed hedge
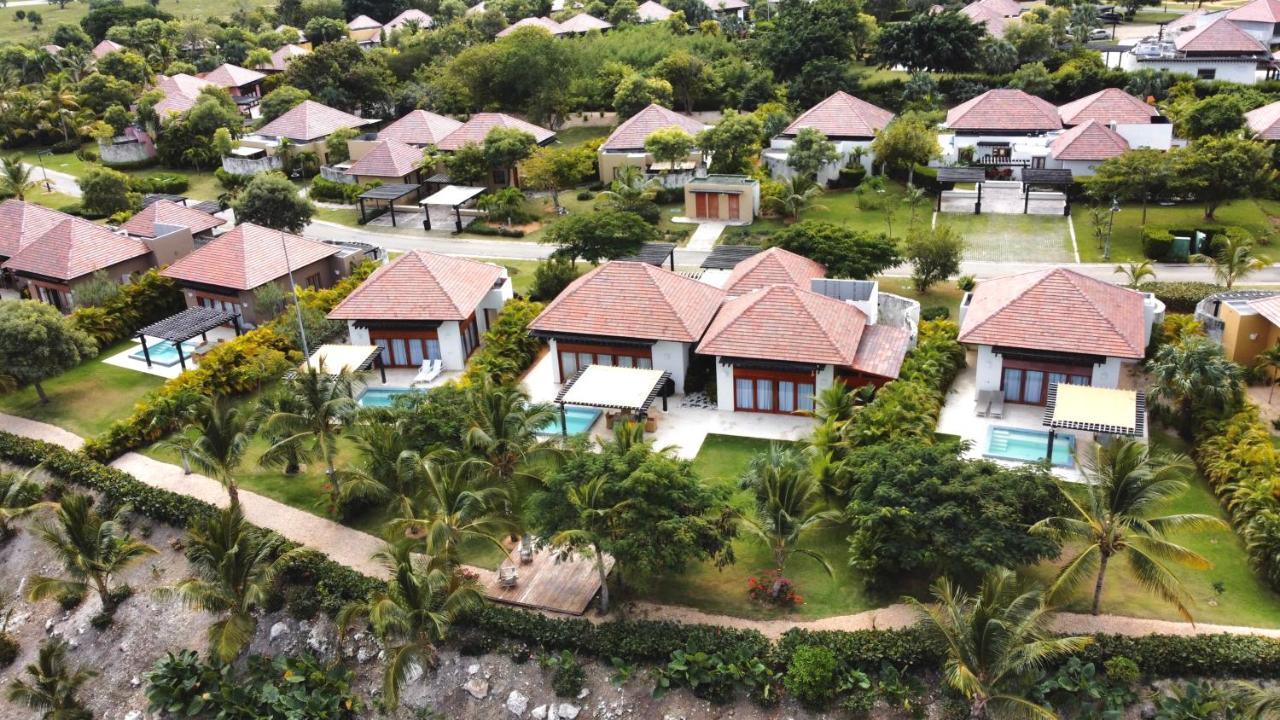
1156,243
1181,297
507,349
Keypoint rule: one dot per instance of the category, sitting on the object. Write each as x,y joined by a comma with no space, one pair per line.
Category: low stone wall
333,174
251,166
124,153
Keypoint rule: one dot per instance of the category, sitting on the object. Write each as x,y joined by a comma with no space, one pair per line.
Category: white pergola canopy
452,195
1095,409
614,387
334,359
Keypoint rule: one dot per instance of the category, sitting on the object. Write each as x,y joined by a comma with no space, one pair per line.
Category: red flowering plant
775,590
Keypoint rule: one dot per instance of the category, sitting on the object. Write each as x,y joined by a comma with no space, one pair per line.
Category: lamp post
297,306
48,187
1111,223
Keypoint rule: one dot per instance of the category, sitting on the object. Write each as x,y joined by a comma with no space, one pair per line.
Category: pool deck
124,360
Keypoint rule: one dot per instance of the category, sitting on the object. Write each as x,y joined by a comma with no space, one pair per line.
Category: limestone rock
517,703
477,688
279,630
540,713
565,711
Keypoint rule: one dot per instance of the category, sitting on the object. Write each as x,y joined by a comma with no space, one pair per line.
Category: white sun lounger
431,370
983,404
997,405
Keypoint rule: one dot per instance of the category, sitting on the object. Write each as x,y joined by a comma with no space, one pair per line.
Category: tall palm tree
59,101
997,642
235,566
15,178
503,436
629,189
412,614
221,438
1234,260
1269,362
1193,372
19,496
914,197
391,468
1136,273
314,427
594,510
279,399
92,550
797,195
455,504
54,684
1126,484
789,506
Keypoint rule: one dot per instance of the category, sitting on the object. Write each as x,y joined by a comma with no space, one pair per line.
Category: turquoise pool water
577,419
164,353
381,396
1029,445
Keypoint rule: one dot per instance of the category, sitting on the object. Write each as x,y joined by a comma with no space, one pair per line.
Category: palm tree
997,642
455,505
594,510
313,428
235,566
1234,260
1257,703
19,496
914,198
391,469
1136,273
15,178
789,505
1125,485
630,189
1269,362
54,684
277,400
92,550
502,433
412,614
797,194
221,439
1190,372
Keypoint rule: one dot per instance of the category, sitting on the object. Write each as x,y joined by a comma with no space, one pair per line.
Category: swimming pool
577,419
1024,445
164,353
381,396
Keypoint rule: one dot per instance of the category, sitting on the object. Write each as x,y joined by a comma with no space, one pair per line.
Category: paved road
61,182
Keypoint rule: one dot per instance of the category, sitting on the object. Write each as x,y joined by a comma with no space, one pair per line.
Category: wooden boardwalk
566,586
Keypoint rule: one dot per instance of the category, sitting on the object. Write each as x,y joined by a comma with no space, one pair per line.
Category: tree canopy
270,200
846,253
600,235
37,342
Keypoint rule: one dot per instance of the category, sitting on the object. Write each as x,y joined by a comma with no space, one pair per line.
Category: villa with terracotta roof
105,48
1218,48
773,266
1082,148
1259,18
625,146
364,30
582,24
425,306
476,129
1001,127
1037,328
420,128
306,126
390,162
412,17
180,93
1264,121
650,11
23,222
245,85
281,57
545,23
847,121
225,273
164,217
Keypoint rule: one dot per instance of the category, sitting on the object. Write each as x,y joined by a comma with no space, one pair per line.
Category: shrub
331,191
507,349
811,676
301,602
850,177
71,599
567,675
669,196
1156,243
586,196
102,620
551,277
1180,297
183,686
9,649
936,312
909,406
966,283
149,298
1123,671
164,183
481,228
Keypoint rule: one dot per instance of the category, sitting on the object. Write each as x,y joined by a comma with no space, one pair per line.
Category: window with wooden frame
772,391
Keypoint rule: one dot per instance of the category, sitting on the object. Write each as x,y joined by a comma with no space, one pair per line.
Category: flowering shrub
774,590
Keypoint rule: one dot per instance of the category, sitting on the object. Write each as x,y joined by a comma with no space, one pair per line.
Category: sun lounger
983,404
997,405
508,576
431,370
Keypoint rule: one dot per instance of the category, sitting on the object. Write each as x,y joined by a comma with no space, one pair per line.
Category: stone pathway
704,236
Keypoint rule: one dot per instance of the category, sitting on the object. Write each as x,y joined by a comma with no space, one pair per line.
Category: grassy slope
12,30
202,185
841,207
1126,239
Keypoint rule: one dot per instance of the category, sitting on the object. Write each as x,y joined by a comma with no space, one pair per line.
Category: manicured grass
1044,238
85,399
202,185
677,232
569,137
1155,17
55,200
885,213
521,272
1126,239
944,294
1246,600
13,30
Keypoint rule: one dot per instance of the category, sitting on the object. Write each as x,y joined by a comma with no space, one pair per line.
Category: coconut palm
236,565
913,198
19,496
997,643
1193,372
797,195
279,399
789,506
1136,273
325,405
1269,362
594,510
390,470
15,178
92,549
412,614
502,433
1126,483
1234,260
220,437
630,189
455,504
53,686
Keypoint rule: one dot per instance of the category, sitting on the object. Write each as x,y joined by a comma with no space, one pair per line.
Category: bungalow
281,57
625,146
23,222
164,217
105,48
650,11
180,93
1003,128
1244,322
1037,328
724,9
1260,18
545,23
582,23
364,30
389,162
419,128
294,34
1264,121
1217,50
846,121
409,19
226,272
1082,148
773,266
627,314
425,306
1139,123
245,85
477,129
306,127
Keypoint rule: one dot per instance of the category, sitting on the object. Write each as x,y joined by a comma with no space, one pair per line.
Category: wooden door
733,206
699,204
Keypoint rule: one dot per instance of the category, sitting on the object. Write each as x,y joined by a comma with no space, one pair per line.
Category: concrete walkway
40,431
704,236
61,182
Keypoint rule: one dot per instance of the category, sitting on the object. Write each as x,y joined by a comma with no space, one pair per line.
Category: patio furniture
997,405
983,404
526,553
508,575
609,417
431,370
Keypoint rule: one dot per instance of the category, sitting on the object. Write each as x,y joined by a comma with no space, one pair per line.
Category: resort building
389,162
477,129
1244,322
411,18
1264,121
281,57
1218,49
625,146
846,121
364,30
650,11
165,217
420,128
732,199
245,85
306,127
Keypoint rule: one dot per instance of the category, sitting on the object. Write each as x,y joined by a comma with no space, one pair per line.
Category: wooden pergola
963,174
185,325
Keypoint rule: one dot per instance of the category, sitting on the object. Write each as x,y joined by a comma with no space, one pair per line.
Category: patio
543,580
164,361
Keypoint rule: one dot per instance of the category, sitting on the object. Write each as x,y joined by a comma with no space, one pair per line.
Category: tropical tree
669,145
997,641
1234,260
1136,273
313,427
271,200
19,496
1269,362
53,686
454,505
412,614
218,436
502,203
503,434
15,178
810,152
595,509
1126,484
391,468
235,567
798,193
1190,373
630,190
92,550
37,342
789,506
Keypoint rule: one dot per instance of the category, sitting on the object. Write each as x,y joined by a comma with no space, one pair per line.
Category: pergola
185,325
388,195
963,174
727,257
656,254
336,359
452,196
616,388
1053,177
1105,411
152,198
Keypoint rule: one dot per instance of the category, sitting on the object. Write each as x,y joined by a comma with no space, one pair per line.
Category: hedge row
507,349
1181,297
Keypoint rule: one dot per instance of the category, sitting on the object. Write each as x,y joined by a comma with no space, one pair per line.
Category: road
61,182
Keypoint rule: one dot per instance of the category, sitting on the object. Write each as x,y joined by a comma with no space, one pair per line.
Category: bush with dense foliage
551,277
1156,243
811,676
183,686
846,253
149,298
1180,297
327,190
507,349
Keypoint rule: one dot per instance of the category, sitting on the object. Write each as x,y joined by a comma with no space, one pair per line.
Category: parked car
1099,34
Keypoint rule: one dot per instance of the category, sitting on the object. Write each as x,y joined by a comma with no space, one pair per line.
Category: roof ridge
652,273
807,296
420,255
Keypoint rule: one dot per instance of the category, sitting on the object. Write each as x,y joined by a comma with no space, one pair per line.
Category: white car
1099,34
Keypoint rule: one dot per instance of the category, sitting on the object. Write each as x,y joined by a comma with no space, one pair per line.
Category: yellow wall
365,34
1236,332
611,163
746,210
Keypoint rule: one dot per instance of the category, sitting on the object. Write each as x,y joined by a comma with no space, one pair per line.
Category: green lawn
842,207
1155,17
85,399
674,232
202,184
21,31
521,272
992,237
1126,239
944,294
579,135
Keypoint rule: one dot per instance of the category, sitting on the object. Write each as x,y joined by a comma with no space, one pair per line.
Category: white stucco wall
1107,375
1243,71
724,386
451,346
777,160
988,368
357,335
826,377
555,361
1147,135
493,300
672,357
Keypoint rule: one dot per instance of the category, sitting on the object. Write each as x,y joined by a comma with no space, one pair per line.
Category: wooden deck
566,586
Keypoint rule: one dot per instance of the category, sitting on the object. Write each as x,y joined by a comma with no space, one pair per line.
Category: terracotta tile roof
363,22
73,248
1107,106
22,222
783,322
632,300
545,23
180,93
582,23
311,121
281,57
1004,109
881,350
419,127
981,14
1268,307
1059,310
232,76
477,128
1090,141
420,285
412,15
842,116
1265,121
167,212
774,266
105,48
1262,11
388,159
247,257
1220,37
632,133
650,11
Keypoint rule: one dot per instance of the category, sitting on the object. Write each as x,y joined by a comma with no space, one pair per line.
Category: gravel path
40,431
